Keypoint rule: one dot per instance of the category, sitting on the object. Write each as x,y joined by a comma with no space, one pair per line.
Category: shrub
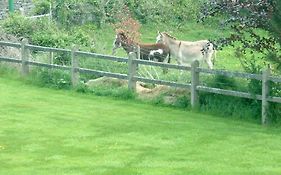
19,26
41,7
233,107
45,33
50,78
173,12
228,106
82,88
222,82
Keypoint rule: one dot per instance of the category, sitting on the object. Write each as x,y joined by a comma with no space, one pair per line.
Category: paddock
132,77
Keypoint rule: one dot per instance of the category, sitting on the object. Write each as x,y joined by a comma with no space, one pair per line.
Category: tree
255,25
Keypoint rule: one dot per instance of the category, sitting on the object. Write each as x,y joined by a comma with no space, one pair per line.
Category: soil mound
144,91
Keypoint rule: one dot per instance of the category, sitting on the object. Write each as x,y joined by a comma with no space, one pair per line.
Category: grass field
44,131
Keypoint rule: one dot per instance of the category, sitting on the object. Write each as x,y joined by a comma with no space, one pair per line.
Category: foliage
73,12
19,26
230,107
255,25
50,78
222,82
99,12
174,12
127,24
42,32
256,37
41,7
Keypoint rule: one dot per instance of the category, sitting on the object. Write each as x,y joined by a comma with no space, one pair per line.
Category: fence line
132,77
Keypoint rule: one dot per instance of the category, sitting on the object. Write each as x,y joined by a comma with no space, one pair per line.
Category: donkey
186,51
156,51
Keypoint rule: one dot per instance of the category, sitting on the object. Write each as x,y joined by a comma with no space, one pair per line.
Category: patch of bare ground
144,92
9,52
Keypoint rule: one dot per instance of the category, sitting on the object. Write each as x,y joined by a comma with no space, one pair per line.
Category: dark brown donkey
154,52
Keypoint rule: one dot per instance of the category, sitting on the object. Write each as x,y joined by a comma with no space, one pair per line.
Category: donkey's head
119,39
164,37
117,43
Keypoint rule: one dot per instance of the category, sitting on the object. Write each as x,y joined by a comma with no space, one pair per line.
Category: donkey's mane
170,36
125,37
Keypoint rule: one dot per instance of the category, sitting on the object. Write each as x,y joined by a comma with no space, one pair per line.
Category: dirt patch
106,81
168,94
9,51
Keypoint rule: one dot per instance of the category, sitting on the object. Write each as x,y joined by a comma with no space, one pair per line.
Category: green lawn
44,131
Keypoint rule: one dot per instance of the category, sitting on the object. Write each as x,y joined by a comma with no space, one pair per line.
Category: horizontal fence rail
229,92
100,56
39,16
61,67
163,65
5,43
47,49
11,60
132,77
230,74
103,73
274,99
162,82
275,79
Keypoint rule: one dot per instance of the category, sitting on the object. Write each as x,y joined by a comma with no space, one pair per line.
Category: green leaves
255,25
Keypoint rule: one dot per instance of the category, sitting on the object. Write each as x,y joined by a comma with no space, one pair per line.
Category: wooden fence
132,77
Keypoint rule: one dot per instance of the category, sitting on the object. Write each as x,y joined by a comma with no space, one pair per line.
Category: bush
45,33
233,107
19,26
50,78
222,82
228,106
173,12
41,7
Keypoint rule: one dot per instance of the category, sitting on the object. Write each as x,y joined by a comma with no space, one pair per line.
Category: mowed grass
44,131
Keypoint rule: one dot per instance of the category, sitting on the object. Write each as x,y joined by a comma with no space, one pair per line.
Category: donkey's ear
158,32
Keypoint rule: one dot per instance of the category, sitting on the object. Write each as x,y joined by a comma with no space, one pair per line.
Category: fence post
138,55
194,84
138,52
132,68
265,93
74,67
24,58
51,57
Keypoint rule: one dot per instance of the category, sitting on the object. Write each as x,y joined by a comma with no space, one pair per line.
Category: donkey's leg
180,62
208,60
151,57
166,60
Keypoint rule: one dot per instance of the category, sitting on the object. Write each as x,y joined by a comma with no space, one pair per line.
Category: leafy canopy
255,25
